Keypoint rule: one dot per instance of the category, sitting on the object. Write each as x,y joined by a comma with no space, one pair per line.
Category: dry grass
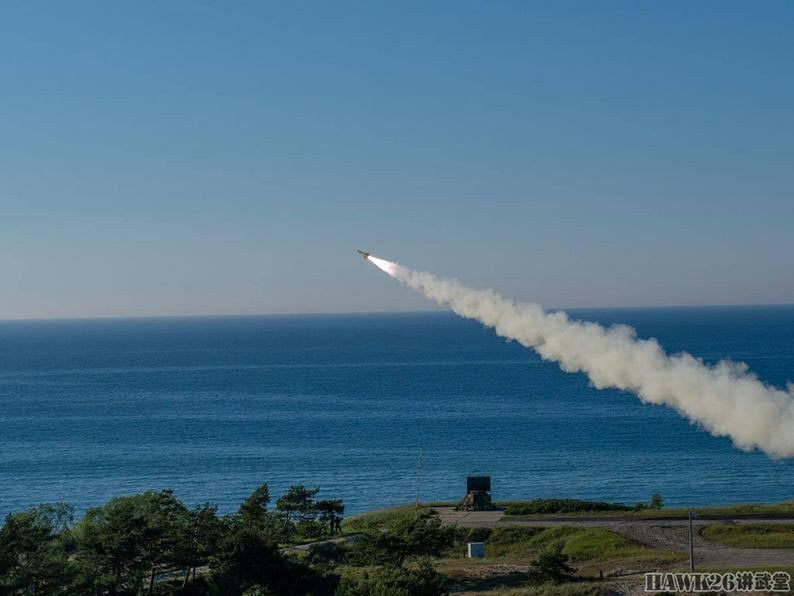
751,535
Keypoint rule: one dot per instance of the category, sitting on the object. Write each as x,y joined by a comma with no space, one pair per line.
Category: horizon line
379,312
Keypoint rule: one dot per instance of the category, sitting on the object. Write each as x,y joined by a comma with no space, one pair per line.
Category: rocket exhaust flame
726,398
386,266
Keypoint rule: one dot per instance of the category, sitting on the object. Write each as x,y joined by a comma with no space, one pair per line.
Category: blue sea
214,406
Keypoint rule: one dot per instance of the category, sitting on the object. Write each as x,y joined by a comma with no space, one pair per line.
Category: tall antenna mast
419,475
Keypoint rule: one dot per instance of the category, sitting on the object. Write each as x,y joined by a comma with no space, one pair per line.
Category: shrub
423,580
326,554
249,562
545,506
311,528
551,565
478,534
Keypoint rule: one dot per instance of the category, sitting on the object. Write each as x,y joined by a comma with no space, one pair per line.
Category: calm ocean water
213,407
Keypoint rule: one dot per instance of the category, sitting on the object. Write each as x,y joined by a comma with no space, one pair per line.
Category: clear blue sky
228,157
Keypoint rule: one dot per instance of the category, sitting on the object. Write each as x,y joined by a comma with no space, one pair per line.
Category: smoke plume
726,398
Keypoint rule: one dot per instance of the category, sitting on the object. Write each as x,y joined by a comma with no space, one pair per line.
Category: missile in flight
363,254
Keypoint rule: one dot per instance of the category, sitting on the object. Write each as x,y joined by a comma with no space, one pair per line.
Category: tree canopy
151,543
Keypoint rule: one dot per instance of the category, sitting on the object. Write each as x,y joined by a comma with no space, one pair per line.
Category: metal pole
691,545
418,476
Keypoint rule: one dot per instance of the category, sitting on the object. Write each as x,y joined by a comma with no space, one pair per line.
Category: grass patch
512,543
377,520
582,545
783,510
587,545
751,535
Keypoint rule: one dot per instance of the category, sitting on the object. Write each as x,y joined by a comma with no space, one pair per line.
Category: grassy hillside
591,550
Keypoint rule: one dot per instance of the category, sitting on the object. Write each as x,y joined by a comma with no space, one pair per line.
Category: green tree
405,539
245,558
34,550
199,538
128,539
656,502
298,503
253,514
551,565
253,511
249,562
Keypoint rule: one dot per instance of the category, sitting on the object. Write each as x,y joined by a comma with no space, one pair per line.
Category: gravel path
668,534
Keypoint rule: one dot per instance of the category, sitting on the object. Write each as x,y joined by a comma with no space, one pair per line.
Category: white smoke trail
726,399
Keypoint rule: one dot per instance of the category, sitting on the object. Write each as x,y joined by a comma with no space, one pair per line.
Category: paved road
669,534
